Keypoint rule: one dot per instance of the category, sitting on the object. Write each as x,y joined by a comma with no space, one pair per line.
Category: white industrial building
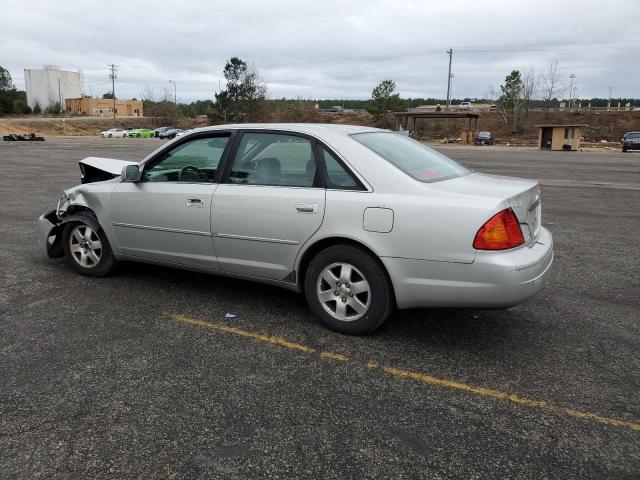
50,85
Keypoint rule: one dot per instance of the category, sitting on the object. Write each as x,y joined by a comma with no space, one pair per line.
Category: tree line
245,98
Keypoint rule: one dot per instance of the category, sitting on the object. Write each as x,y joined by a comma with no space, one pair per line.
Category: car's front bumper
494,279
47,229
631,146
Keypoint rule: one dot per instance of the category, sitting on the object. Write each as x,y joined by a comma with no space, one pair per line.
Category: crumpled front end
71,207
49,238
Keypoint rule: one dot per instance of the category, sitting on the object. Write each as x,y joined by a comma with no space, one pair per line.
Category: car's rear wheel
347,290
88,249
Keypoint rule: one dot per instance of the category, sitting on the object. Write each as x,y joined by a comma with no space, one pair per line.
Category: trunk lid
522,195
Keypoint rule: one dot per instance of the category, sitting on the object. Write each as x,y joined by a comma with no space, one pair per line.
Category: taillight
502,231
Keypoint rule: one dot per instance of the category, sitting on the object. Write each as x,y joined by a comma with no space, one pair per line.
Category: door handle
307,207
195,202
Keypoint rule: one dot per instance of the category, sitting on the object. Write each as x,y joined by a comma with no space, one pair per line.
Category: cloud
328,49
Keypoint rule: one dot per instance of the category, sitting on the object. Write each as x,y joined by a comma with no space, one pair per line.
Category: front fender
51,226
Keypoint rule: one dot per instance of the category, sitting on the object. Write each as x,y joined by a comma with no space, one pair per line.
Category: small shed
559,137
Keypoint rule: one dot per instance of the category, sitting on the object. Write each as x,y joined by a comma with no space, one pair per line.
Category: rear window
412,157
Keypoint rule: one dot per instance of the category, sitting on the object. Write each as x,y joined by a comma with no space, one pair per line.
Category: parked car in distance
483,138
465,106
114,132
141,133
158,130
493,108
362,220
183,132
630,141
169,133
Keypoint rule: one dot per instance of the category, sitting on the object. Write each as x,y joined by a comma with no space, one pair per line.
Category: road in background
126,376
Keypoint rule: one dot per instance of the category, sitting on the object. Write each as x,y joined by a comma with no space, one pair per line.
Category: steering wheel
190,172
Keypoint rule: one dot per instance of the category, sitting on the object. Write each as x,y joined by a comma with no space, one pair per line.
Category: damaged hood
98,169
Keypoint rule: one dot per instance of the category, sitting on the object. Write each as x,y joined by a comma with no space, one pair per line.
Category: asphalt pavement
143,375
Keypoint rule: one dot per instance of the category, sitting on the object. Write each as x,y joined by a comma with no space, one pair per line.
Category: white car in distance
114,132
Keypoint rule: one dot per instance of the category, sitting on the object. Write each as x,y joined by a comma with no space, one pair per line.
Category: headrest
311,168
268,169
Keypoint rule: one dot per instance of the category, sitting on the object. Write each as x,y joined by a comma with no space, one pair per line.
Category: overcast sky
326,49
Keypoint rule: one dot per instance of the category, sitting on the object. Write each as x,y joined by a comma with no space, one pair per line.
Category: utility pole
175,97
572,77
450,52
113,86
609,104
59,98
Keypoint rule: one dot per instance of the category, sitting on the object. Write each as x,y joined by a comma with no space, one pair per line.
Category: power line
465,49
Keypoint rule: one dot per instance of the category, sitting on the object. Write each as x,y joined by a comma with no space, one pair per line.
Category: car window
337,176
194,161
412,157
274,159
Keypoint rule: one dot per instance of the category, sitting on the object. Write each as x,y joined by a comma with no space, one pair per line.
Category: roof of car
310,128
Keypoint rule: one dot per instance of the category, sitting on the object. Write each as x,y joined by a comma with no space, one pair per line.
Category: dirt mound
81,126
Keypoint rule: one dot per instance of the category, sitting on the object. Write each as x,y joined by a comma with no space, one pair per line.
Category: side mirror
130,173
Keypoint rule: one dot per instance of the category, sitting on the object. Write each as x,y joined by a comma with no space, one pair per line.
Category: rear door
270,202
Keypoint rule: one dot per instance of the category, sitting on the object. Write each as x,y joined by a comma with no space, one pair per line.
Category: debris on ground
27,137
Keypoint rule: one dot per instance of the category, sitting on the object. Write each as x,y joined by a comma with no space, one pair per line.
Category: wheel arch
75,213
313,249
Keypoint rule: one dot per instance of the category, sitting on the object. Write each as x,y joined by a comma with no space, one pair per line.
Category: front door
166,216
270,204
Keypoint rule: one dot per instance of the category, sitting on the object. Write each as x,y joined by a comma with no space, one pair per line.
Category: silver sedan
361,220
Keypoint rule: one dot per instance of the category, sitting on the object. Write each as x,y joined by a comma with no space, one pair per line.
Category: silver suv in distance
361,220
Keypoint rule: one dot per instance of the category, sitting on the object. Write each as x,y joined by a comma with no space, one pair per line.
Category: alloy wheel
343,291
85,246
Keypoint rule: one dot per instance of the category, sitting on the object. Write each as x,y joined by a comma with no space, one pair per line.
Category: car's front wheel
87,249
347,290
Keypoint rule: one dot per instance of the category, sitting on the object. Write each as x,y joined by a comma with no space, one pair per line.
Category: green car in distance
141,132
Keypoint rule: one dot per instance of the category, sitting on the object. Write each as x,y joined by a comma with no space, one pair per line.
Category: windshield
484,134
633,135
412,157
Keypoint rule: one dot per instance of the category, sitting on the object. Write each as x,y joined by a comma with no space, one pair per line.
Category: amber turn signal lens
501,232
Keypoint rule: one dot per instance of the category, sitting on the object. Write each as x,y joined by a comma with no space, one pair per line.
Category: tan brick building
103,107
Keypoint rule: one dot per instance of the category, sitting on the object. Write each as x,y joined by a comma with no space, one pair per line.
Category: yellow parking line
416,376
487,392
281,342
335,356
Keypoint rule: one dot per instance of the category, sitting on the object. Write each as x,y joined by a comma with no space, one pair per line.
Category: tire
110,135
332,275
74,235
624,150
